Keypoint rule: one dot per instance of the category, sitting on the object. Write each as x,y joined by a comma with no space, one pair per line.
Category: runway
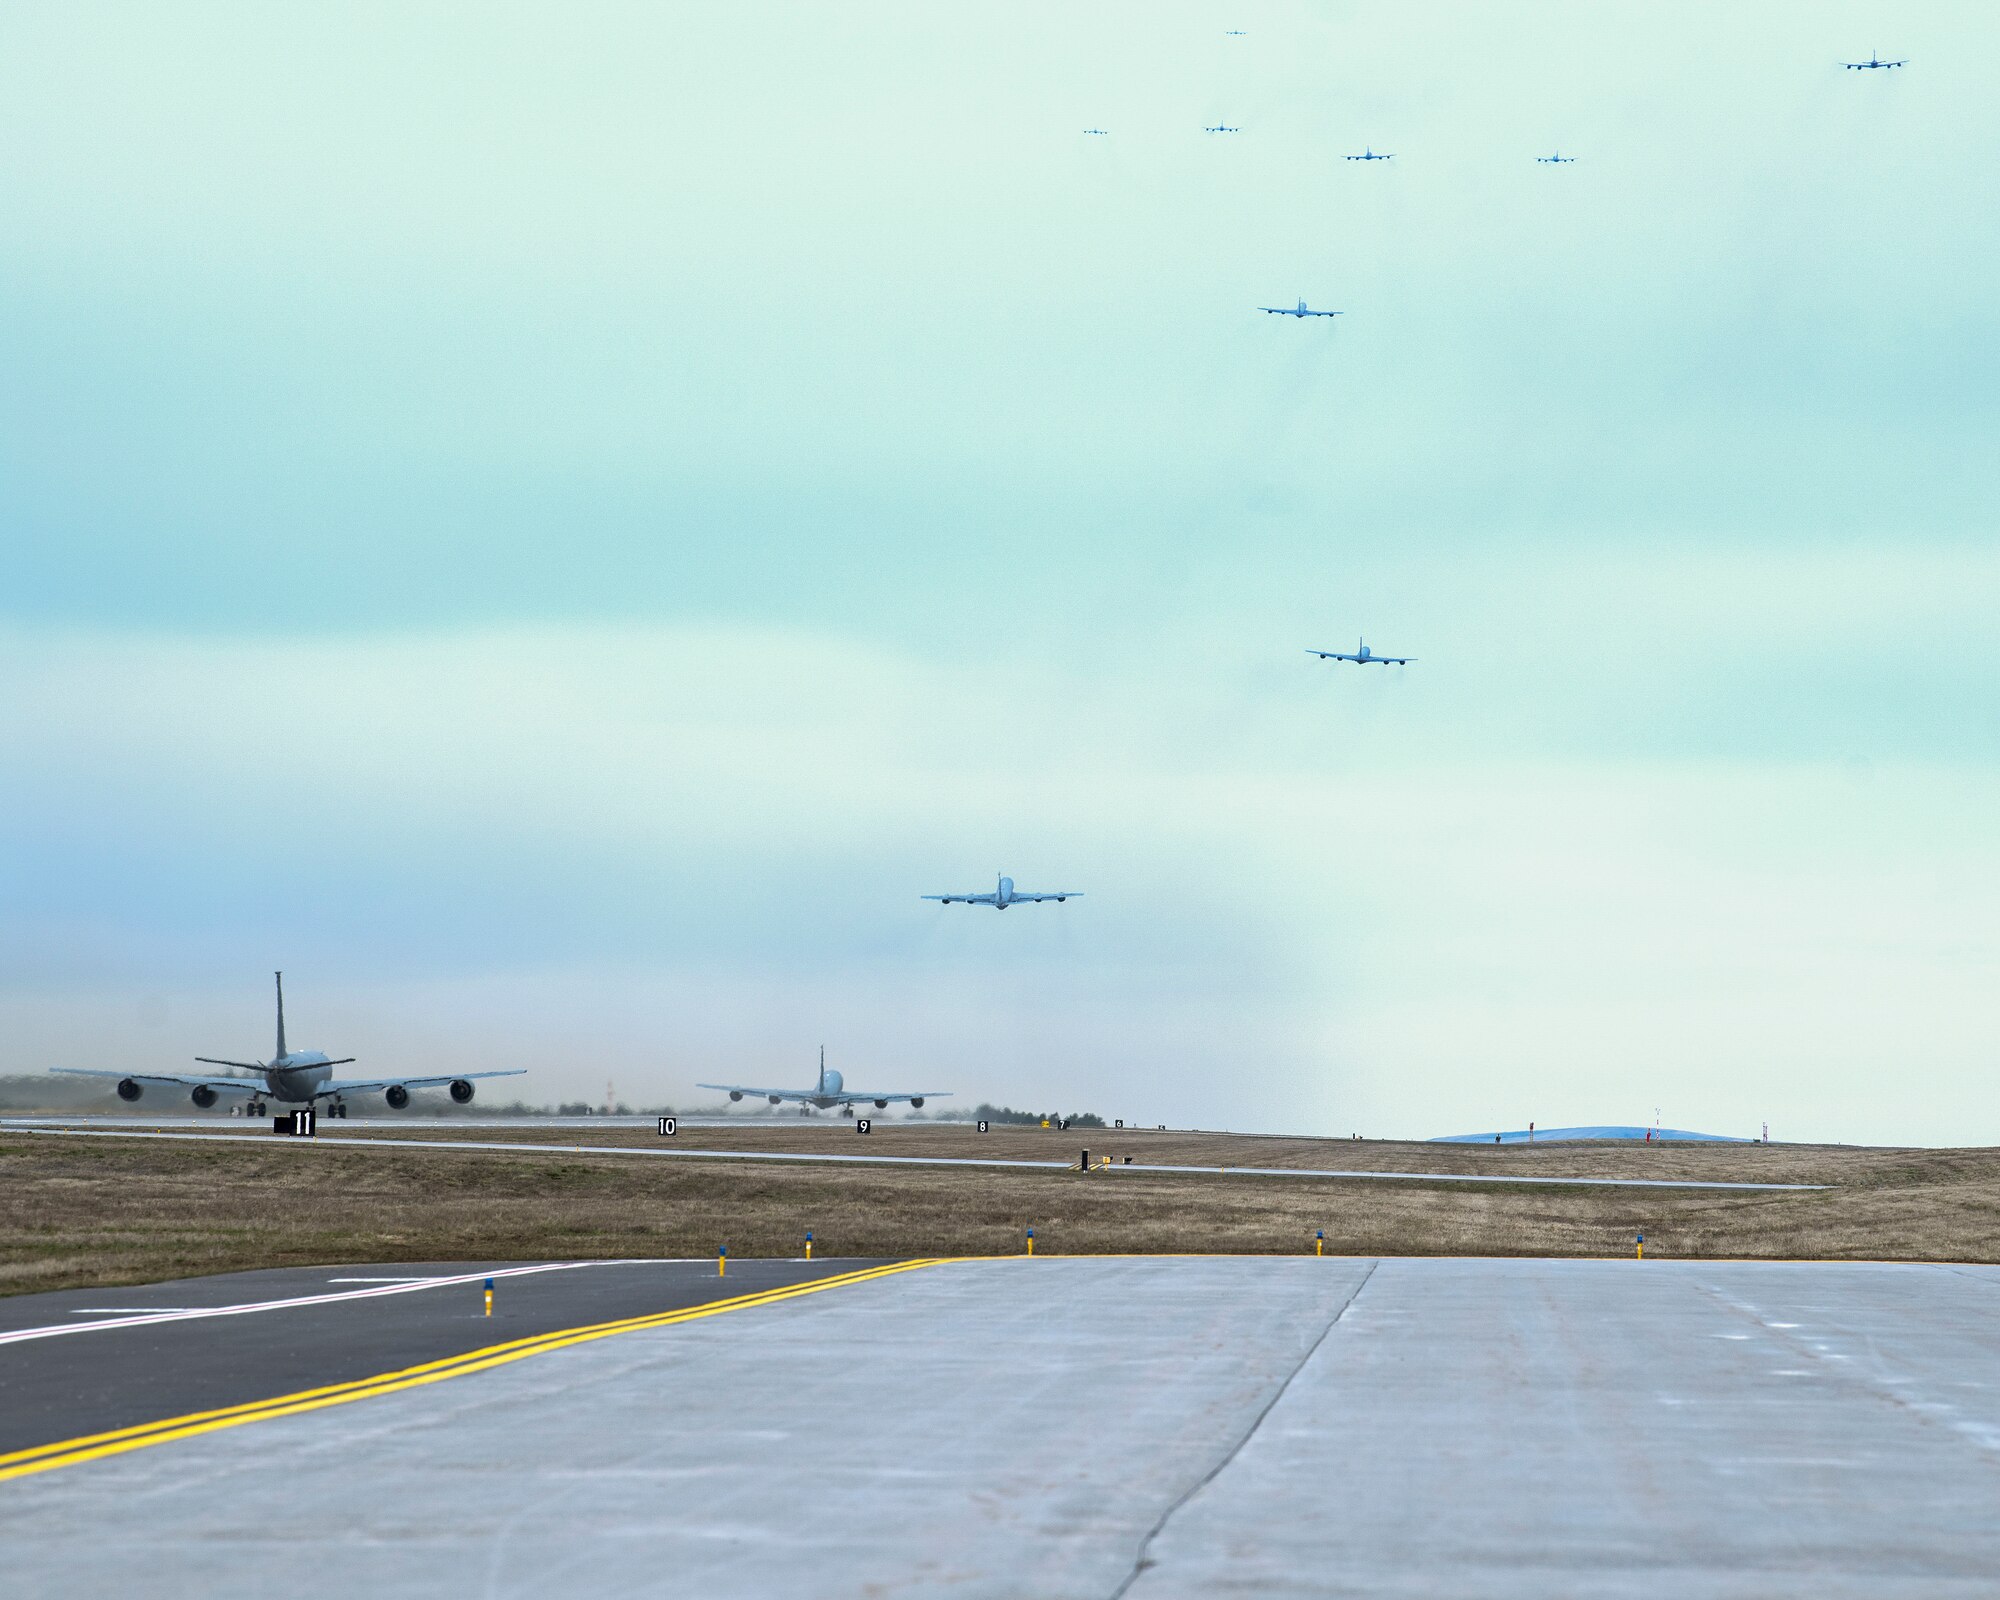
1103,1426
672,1152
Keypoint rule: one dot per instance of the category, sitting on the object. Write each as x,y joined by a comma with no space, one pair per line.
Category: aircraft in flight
1222,127
1363,656
1097,130
299,1077
826,1094
1368,154
1872,64
1556,160
1234,33
1299,310
1002,897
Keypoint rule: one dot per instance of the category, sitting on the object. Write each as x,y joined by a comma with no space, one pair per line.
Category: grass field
88,1212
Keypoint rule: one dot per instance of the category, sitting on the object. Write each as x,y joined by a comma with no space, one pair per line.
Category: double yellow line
72,1452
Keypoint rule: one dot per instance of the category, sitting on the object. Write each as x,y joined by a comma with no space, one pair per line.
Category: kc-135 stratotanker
296,1077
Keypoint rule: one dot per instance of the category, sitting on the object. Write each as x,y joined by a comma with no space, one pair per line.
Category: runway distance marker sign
669,1126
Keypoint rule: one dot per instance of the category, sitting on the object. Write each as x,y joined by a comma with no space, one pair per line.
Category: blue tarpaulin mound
1550,1135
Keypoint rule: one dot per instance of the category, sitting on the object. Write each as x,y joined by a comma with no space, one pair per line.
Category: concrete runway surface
1104,1426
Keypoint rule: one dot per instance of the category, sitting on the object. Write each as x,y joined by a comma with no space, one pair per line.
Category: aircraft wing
230,1085
1060,894
852,1098
948,899
1332,655
414,1083
780,1094
1394,661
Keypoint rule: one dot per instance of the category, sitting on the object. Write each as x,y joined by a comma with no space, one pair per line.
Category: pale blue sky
556,523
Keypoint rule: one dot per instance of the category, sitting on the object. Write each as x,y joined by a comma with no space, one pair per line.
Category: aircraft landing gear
847,1111
256,1108
336,1108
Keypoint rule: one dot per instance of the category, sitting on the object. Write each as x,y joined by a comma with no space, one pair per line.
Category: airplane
294,1076
1097,130
1222,127
1363,656
1557,160
1233,33
1368,154
825,1094
1871,64
1299,310
1002,897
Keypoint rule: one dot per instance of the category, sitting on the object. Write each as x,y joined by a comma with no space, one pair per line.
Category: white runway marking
124,1311
348,1140
142,1318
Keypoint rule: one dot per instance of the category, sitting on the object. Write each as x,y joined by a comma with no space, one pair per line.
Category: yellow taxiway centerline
72,1452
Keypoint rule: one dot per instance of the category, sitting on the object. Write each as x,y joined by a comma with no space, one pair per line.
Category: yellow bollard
1319,1243
489,1297
1640,1255
722,1262
1031,1241
809,1244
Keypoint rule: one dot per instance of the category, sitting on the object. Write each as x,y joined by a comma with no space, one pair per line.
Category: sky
556,524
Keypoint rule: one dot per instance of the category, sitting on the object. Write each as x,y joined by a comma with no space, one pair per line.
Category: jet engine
736,1094
917,1104
775,1099
203,1096
881,1105
398,1096
130,1089
461,1091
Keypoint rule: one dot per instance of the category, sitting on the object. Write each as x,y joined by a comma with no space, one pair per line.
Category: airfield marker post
1640,1250
722,1262
1319,1242
809,1244
1031,1241
489,1297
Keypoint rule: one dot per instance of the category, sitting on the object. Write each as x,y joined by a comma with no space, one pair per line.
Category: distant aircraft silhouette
1556,160
1222,127
1871,64
1299,310
1097,130
1368,154
1362,656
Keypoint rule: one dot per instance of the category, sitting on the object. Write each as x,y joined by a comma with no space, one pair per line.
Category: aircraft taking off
1097,130
1872,64
1368,154
1556,160
1363,656
296,1076
1002,897
825,1094
1222,127
1299,310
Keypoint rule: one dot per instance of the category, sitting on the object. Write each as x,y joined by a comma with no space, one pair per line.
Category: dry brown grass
77,1212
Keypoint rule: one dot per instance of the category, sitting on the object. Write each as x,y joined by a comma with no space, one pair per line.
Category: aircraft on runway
1222,127
1556,160
1871,64
1002,897
1368,154
294,1076
1363,656
1299,310
826,1094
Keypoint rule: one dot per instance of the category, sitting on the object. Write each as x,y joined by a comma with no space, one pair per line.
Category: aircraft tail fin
820,1087
280,977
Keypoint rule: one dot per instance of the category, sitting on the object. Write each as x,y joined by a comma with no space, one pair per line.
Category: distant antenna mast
610,1097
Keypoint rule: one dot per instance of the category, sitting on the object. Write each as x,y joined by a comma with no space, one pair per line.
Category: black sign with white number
669,1126
299,1124
982,1125
862,1124
1119,1123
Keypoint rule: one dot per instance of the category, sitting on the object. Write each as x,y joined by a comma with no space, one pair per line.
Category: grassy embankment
77,1212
